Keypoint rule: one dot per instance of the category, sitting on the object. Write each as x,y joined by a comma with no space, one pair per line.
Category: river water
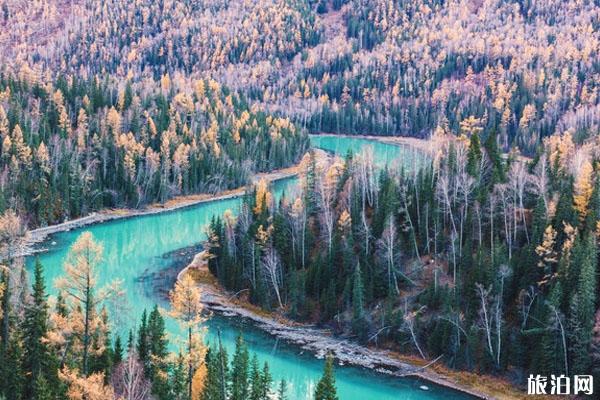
137,249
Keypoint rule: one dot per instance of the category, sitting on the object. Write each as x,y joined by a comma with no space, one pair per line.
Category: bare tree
128,380
540,180
271,263
387,244
298,219
486,317
526,300
405,204
367,178
504,196
408,325
503,273
557,325
517,181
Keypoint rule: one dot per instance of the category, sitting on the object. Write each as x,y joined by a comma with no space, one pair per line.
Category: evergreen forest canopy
490,263
75,146
484,257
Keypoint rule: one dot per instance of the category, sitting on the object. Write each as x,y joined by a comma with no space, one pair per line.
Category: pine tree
474,155
595,346
117,352
158,353
282,391
177,380
582,310
255,380
216,375
212,389
80,284
239,372
326,387
583,189
358,311
187,308
37,359
11,374
42,389
265,382
142,342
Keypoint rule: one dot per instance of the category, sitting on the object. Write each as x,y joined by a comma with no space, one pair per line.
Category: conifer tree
186,307
239,371
265,382
583,309
117,352
255,380
38,362
177,381
358,311
142,342
158,353
216,375
282,390
474,155
326,387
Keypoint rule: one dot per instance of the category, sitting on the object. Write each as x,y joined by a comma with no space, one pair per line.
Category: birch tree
271,263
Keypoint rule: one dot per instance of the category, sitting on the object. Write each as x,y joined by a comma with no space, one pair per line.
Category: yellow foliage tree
187,308
80,286
547,254
85,388
583,189
198,381
263,197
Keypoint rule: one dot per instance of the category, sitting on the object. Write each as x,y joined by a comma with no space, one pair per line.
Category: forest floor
321,342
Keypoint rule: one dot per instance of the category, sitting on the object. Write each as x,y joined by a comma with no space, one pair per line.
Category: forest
73,146
489,261
484,258
63,347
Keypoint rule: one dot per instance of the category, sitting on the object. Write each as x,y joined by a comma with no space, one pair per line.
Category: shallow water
135,248
393,155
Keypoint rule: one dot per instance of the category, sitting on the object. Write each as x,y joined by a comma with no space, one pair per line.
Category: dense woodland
489,262
524,69
64,347
75,146
483,256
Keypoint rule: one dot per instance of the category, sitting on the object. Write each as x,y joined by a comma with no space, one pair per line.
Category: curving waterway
137,249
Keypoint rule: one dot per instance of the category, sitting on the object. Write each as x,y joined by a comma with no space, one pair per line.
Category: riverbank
39,235
321,342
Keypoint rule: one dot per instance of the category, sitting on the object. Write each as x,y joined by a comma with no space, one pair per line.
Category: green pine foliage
326,389
417,258
84,149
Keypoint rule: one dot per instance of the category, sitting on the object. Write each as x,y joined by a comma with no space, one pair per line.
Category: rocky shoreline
319,342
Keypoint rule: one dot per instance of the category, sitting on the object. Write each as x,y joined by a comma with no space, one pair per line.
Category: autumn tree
80,286
187,308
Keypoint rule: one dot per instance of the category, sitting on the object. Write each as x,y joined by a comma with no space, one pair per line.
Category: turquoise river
138,247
